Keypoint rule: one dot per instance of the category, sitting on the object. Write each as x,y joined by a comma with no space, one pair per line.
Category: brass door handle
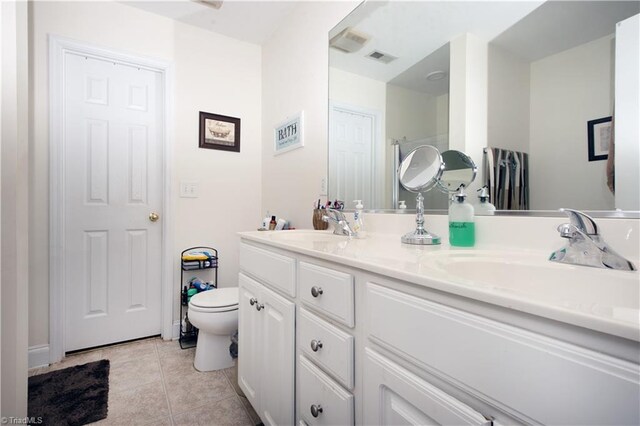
153,216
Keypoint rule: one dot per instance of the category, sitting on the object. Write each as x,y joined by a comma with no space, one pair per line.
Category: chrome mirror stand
420,236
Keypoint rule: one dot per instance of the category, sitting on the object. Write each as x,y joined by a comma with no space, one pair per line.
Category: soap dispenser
484,208
358,220
461,224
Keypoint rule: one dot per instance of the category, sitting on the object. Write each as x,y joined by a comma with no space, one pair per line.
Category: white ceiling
412,30
418,32
251,21
560,25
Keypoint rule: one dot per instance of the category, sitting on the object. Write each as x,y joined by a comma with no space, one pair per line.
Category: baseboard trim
38,356
176,330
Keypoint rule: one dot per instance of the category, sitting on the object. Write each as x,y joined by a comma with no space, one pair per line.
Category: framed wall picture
219,132
599,135
289,134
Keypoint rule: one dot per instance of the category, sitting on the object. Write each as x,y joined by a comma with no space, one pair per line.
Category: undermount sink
615,294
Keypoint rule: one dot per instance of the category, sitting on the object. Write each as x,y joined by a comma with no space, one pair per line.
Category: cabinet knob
253,301
259,306
316,291
315,345
316,410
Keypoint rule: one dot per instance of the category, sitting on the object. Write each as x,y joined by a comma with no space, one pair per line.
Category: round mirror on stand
420,171
459,170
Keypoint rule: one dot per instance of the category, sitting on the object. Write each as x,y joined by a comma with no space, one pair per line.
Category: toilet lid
216,298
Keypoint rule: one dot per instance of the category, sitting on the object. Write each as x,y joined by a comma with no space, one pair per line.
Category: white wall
354,89
295,77
14,227
468,99
627,95
213,73
411,114
567,90
508,101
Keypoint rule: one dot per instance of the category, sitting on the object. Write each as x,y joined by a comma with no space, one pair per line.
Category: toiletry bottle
484,208
358,219
461,225
273,223
265,222
403,205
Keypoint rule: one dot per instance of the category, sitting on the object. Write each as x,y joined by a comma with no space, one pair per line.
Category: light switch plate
323,186
189,189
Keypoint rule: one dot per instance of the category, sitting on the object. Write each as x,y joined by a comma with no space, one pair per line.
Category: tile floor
153,382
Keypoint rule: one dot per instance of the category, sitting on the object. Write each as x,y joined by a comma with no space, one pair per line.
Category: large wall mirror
545,85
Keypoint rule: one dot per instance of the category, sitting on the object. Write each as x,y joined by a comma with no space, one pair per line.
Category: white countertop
524,280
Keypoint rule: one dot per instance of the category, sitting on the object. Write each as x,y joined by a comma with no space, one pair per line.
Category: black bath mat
73,396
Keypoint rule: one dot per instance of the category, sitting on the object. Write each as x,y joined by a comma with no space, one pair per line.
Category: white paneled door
351,156
112,189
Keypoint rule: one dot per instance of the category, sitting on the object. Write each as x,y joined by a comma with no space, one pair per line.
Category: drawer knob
315,345
259,306
316,410
253,301
316,291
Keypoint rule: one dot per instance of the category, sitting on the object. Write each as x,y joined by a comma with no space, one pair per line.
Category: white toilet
215,314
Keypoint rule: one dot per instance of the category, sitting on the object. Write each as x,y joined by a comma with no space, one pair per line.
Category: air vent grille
381,57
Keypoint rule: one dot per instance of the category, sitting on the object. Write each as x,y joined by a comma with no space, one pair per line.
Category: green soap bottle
462,232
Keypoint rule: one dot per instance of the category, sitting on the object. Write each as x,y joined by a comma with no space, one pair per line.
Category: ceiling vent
385,58
349,40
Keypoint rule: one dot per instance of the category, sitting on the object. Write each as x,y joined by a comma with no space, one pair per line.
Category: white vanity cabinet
395,396
373,349
266,331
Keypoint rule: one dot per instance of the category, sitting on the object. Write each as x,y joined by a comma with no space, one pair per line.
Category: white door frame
58,47
378,148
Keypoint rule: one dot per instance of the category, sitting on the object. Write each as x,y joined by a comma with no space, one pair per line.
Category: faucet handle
581,221
337,214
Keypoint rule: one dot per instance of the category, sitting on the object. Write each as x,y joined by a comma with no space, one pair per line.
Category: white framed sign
289,134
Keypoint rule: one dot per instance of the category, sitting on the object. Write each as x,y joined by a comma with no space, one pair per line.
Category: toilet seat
216,300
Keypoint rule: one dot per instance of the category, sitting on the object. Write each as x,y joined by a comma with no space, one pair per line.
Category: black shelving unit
189,334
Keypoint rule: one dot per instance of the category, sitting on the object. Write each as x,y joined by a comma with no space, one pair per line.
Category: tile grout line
164,386
238,398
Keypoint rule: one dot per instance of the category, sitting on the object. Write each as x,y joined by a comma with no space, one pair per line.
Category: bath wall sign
289,134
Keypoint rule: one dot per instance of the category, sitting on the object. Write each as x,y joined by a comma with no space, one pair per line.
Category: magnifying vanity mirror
420,171
459,170
552,74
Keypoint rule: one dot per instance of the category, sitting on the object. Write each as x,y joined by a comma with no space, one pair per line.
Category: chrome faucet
340,224
586,246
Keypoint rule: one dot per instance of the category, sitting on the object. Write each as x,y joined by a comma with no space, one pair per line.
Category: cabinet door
396,396
277,322
249,345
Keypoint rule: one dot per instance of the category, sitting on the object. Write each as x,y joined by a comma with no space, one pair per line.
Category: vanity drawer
274,269
327,290
557,382
335,406
333,347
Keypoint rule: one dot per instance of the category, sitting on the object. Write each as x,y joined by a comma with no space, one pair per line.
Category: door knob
153,216
259,306
253,301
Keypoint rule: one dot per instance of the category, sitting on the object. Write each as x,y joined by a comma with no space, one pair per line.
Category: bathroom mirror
459,169
422,169
550,78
